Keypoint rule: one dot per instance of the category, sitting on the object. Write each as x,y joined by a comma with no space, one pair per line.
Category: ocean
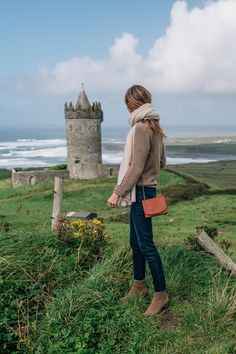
39,147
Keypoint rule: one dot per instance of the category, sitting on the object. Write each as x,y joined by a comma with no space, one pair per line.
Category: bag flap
155,205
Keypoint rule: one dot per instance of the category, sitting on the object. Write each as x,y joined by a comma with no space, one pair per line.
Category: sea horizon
58,131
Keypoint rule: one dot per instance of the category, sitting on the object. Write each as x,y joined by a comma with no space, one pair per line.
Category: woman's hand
113,200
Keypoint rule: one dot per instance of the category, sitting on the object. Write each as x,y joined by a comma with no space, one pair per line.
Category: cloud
196,54
99,75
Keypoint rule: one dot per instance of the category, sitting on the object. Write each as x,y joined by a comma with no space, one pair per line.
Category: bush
88,235
226,246
84,316
191,241
185,192
32,268
211,231
58,167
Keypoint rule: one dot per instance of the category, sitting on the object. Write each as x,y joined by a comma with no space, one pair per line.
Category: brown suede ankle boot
138,287
159,302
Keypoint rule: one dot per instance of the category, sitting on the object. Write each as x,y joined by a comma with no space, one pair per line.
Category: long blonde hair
135,97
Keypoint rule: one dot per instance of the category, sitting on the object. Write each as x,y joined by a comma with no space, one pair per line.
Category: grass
60,309
4,173
220,174
49,304
32,207
203,149
100,323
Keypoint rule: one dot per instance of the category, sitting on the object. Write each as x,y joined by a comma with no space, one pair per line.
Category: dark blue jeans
141,242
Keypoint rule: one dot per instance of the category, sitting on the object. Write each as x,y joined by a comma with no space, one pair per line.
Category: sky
183,52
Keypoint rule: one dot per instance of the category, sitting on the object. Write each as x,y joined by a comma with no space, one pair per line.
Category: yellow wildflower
76,235
107,237
97,222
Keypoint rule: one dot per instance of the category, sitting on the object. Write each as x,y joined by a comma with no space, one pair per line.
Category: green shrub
226,245
89,237
32,267
191,241
5,173
211,231
58,167
185,192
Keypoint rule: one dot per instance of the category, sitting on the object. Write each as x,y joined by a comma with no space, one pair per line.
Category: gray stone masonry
107,170
83,135
30,178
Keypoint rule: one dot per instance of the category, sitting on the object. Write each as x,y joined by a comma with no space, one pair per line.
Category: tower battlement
83,109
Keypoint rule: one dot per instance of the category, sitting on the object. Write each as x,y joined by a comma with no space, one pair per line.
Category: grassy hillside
52,304
220,174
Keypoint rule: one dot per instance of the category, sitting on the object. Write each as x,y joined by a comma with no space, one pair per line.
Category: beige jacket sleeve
142,142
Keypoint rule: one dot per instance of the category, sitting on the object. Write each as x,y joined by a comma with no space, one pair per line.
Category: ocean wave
106,158
10,163
222,141
112,141
31,143
38,153
112,158
184,160
50,152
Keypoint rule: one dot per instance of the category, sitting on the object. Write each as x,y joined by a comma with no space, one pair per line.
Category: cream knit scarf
143,112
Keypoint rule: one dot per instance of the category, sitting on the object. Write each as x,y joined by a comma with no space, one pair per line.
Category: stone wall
30,178
107,170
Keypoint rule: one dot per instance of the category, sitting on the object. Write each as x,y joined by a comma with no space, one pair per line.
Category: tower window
77,160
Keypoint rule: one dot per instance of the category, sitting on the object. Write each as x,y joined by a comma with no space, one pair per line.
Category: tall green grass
88,317
32,267
49,304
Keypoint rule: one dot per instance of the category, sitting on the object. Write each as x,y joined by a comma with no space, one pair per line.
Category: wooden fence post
56,212
210,246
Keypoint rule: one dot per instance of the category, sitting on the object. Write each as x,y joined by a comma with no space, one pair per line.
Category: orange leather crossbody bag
154,206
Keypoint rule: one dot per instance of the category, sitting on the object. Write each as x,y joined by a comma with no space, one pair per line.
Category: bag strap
159,186
143,187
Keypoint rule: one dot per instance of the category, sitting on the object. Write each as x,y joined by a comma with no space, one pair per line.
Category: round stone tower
83,132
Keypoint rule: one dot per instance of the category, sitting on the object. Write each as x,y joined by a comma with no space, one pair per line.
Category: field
219,174
49,303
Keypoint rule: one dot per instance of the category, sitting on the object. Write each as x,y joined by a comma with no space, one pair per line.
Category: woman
144,155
